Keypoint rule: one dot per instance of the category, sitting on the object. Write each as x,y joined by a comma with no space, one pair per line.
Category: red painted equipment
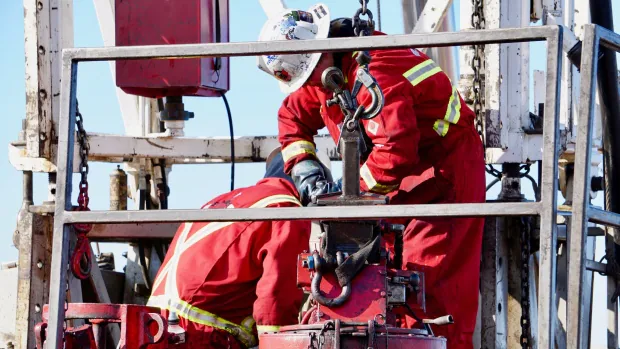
161,22
365,318
337,334
141,327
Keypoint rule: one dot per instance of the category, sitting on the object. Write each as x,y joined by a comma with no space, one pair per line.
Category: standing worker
423,149
226,280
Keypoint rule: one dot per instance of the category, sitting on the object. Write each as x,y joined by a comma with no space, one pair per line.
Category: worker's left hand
312,179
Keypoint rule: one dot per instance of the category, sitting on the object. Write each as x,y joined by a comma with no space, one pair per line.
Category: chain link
363,27
526,230
81,258
84,149
364,4
478,22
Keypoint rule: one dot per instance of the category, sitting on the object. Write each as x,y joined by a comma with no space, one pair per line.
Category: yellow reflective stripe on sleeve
441,127
453,114
422,72
372,184
203,317
297,148
263,328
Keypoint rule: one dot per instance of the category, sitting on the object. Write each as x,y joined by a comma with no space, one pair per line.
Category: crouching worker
226,280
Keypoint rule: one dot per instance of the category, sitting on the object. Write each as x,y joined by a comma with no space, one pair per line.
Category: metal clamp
316,284
333,80
364,78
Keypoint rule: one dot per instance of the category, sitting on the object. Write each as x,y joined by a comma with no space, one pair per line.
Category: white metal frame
547,208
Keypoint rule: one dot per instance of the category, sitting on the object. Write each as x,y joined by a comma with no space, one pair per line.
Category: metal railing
582,212
546,208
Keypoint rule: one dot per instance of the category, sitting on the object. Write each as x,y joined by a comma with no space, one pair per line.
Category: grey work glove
312,179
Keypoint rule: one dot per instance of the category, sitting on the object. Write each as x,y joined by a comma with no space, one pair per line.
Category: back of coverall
425,150
222,278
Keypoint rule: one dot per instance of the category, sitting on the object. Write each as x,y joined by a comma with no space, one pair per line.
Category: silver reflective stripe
453,113
441,127
297,148
422,71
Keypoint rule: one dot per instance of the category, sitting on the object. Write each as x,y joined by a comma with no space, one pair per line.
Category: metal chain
81,259
363,27
84,149
478,22
526,230
364,4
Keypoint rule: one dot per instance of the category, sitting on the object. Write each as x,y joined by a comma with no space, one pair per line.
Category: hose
232,142
306,319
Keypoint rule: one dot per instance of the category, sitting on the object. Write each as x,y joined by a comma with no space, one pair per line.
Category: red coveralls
425,150
223,277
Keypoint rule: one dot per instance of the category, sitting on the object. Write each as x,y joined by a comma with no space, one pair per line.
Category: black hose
602,14
232,143
163,188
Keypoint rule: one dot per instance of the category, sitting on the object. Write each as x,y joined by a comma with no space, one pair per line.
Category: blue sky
254,99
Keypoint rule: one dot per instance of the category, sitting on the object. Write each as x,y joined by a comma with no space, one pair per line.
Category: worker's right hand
312,179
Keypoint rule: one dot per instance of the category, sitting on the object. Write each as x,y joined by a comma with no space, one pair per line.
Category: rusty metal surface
130,232
494,284
118,190
33,238
38,78
309,336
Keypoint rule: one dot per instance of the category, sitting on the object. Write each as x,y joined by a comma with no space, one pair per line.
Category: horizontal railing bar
603,217
608,38
306,46
305,213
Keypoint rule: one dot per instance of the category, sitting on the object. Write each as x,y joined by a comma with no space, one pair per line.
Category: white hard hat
292,71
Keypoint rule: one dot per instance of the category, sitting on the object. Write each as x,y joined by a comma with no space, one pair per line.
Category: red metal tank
160,22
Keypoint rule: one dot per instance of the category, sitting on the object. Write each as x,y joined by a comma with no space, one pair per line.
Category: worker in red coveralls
226,280
423,145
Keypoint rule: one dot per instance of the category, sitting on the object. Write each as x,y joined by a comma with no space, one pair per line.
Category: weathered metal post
33,239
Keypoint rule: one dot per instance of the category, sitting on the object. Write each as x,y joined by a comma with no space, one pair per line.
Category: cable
426,326
232,143
379,14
